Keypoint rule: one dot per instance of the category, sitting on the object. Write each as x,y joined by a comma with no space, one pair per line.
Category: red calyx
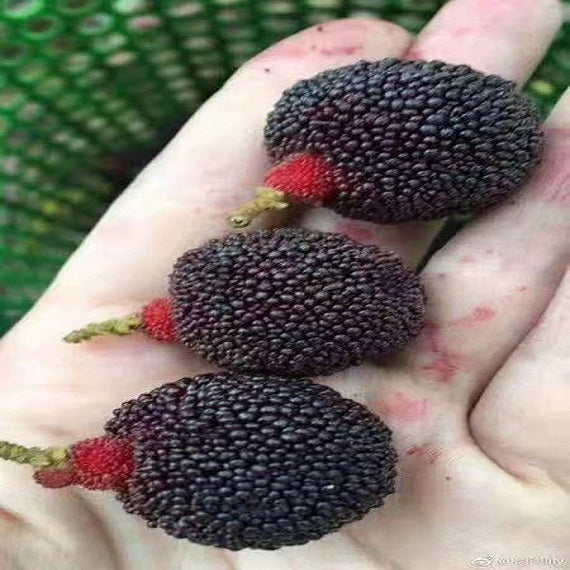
102,463
158,321
55,478
305,177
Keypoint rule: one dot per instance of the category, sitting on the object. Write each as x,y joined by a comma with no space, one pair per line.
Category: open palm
480,405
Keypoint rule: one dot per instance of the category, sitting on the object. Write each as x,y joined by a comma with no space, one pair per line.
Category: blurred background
91,89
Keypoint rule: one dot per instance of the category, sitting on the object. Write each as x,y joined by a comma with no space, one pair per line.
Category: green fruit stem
53,457
266,199
120,327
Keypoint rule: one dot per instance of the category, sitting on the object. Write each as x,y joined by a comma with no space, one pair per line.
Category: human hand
480,405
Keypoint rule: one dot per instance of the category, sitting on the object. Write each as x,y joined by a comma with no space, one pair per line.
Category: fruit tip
239,221
73,337
266,199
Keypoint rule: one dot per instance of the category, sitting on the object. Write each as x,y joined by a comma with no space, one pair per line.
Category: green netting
90,88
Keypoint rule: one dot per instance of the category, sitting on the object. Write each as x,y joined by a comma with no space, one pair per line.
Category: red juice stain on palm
427,452
340,50
481,314
444,368
399,407
356,231
468,259
477,315
414,53
445,364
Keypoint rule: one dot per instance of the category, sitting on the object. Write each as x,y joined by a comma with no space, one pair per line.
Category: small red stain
402,408
517,291
414,53
320,29
340,50
446,364
481,314
293,51
286,49
468,259
477,315
357,232
443,367
427,452
448,478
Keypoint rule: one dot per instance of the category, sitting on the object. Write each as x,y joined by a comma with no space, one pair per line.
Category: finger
522,420
488,283
504,37
507,38
182,198
488,286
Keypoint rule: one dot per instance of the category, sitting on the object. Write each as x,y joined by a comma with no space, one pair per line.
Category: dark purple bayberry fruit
233,461
393,141
291,302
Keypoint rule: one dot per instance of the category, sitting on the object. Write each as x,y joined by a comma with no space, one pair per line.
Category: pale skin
479,405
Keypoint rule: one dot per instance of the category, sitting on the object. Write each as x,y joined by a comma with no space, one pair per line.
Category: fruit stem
266,199
120,327
53,457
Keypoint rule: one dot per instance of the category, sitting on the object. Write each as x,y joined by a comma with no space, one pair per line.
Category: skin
479,404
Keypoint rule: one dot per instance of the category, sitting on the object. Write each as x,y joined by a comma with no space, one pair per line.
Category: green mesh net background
89,89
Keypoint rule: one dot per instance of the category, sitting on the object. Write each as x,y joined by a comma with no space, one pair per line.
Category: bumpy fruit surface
293,302
238,461
406,140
